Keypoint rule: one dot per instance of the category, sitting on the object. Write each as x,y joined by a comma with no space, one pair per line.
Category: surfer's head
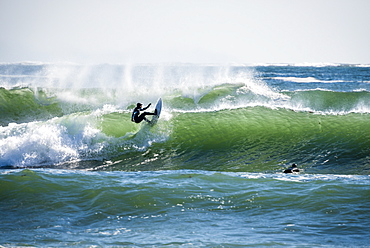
139,105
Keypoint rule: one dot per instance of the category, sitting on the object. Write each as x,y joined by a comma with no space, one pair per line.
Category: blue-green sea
75,171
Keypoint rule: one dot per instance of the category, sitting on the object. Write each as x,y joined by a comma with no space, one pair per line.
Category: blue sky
185,31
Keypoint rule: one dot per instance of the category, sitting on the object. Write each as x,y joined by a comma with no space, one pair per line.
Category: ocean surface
75,171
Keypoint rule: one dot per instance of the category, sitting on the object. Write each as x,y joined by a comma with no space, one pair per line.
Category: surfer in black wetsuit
137,117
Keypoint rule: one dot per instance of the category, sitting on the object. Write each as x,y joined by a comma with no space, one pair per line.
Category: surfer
137,117
292,169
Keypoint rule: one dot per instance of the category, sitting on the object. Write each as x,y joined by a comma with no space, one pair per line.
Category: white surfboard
158,108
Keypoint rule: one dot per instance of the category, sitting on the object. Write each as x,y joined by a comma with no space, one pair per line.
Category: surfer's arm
146,107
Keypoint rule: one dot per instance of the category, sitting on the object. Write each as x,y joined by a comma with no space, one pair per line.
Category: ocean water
75,171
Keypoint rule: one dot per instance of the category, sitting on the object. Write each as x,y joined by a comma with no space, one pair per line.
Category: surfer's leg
142,117
145,119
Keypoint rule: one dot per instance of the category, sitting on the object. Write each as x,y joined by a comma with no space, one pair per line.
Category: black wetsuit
137,117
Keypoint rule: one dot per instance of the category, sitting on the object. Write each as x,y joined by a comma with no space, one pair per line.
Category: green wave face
246,139
222,128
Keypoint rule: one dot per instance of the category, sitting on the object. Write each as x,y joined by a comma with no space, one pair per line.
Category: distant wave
306,80
317,64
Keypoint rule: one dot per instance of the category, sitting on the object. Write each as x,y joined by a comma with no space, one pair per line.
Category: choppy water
77,172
